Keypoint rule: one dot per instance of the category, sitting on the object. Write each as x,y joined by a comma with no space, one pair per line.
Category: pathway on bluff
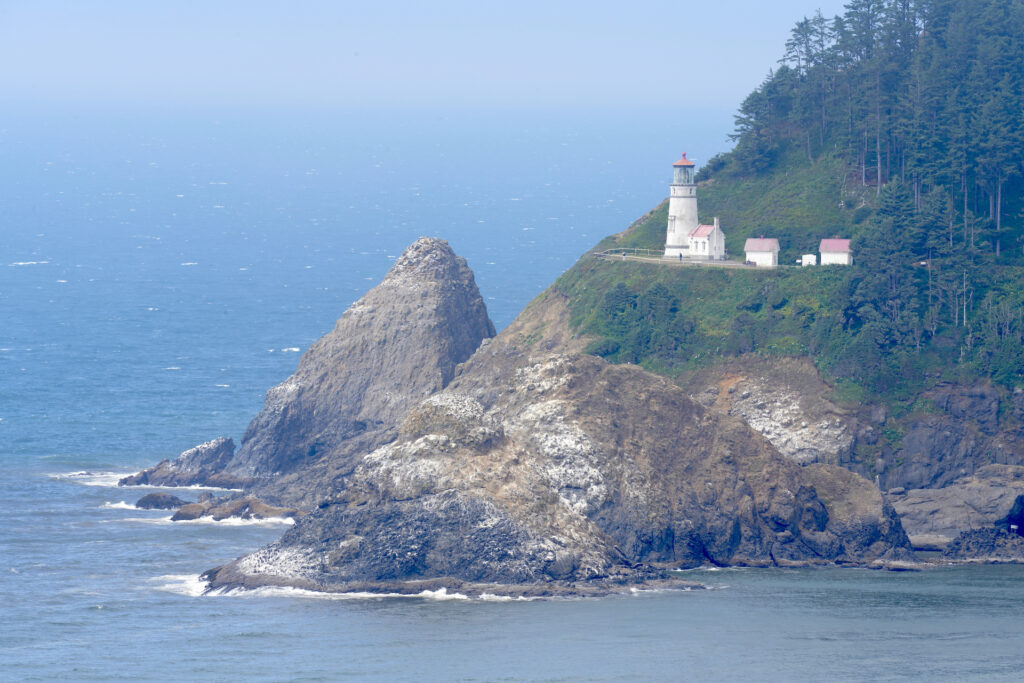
650,256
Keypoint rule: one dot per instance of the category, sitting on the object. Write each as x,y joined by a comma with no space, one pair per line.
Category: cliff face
392,348
540,468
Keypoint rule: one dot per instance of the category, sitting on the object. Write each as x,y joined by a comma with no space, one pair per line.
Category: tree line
922,101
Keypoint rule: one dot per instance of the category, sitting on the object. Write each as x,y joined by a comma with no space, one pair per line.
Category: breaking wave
227,521
119,506
110,479
193,586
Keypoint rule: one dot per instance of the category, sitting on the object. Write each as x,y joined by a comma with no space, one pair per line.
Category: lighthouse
682,210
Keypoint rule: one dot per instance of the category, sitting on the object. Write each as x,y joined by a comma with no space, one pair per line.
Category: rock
984,499
929,542
160,501
563,470
783,399
521,466
398,344
189,512
976,403
986,545
245,507
201,465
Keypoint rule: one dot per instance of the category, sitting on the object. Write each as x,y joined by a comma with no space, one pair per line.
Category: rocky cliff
537,471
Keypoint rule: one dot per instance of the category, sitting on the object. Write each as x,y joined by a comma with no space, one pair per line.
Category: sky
392,54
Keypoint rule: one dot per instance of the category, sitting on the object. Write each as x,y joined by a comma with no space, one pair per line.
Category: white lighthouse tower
682,210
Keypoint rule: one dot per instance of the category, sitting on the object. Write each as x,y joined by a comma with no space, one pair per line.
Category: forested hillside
900,123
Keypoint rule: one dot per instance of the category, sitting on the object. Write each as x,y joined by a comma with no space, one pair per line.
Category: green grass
799,206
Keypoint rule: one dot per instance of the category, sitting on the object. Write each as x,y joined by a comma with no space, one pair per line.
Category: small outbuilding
809,260
762,251
836,251
707,242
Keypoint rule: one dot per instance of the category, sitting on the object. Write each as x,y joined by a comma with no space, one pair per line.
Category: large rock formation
395,346
986,499
537,471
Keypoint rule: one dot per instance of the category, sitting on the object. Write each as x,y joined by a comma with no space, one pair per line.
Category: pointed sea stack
392,348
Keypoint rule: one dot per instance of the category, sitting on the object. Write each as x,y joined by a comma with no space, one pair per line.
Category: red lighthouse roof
684,161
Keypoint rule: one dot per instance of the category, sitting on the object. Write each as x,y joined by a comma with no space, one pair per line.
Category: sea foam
227,521
119,506
192,585
110,479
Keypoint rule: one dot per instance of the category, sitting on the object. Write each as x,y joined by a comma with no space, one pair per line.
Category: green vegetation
899,125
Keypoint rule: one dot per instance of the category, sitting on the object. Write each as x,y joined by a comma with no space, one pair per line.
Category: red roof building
836,252
835,245
761,244
702,231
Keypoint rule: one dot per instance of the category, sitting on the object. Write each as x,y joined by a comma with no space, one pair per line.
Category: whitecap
119,506
441,594
173,367
194,586
189,263
62,281
110,479
27,263
290,349
227,521
190,487
222,386
238,521
182,584
87,478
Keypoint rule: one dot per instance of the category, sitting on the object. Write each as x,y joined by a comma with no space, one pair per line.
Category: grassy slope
799,207
715,313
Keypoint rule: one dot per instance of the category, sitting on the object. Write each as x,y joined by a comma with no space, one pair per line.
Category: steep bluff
540,471
392,348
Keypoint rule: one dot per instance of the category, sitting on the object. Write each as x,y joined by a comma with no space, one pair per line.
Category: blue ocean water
159,271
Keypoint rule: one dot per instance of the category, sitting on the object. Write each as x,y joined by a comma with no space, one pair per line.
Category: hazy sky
448,53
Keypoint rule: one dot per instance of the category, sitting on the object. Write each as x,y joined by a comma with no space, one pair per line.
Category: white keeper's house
762,251
836,251
685,238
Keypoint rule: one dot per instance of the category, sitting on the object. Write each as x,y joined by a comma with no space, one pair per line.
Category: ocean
160,270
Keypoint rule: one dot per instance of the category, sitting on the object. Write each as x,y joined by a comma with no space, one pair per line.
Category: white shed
762,251
809,260
836,251
707,242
